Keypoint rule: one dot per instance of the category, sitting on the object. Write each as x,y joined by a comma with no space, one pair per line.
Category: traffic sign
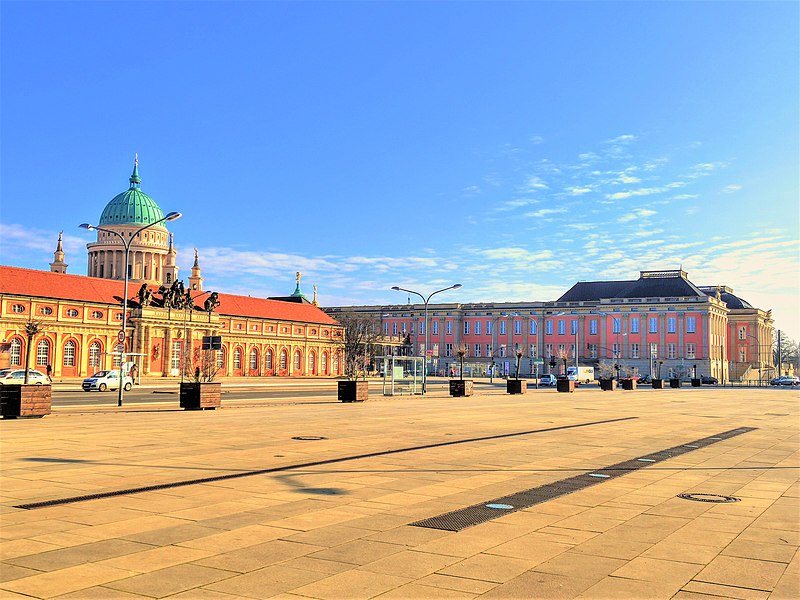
538,361
119,348
121,335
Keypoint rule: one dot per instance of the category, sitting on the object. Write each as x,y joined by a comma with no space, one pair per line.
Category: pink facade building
660,322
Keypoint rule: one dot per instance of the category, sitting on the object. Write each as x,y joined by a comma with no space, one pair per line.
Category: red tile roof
62,286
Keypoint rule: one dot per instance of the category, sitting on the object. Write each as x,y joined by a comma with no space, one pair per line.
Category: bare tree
461,351
201,366
360,341
32,329
789,353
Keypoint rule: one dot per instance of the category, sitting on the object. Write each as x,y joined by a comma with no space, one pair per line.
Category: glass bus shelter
402,375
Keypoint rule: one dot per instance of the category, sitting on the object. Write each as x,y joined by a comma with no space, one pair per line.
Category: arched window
297,359
94,355
237,358
336,363
324,365
284,358
169,278
220,358
253,359
16,353
69,354
268,360
43,353
311,365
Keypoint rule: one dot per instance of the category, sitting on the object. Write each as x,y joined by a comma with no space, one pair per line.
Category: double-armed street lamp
425,347
127,245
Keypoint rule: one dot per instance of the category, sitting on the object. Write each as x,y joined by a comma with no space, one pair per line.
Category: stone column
167,358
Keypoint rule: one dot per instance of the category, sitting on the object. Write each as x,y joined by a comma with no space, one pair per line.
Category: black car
708,380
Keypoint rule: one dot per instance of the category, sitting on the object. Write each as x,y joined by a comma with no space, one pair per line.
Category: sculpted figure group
175,296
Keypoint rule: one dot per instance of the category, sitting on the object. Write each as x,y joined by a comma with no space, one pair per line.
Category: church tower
196,281
170,268
58,265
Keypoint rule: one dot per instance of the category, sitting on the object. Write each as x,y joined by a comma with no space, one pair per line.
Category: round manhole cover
708,498
309,437
500,506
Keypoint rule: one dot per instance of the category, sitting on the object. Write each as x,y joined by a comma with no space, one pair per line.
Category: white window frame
502,327
691,325
562,327
652,325
634,322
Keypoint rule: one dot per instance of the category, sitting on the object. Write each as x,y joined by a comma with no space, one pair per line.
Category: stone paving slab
341,529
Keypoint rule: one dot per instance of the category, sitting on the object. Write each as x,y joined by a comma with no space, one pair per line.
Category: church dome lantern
131,207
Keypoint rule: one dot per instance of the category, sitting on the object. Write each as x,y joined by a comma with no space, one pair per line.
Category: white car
17,376
106,380
548,379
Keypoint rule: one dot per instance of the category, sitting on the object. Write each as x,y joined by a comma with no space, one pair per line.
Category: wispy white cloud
622,139
535,183
536,139
545,212
578,191
471,190
732,188
638,213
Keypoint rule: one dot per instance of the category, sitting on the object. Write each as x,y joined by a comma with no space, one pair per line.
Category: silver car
17,376
106,380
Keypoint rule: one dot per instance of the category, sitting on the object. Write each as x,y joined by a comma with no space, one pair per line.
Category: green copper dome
132,207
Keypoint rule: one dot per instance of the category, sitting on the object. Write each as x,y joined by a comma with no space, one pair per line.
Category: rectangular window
562,350
671,325
435,327
742,333
615,350
488,328
548,327
562,327
175,359
422,349
634,350
477,349
634,324
616,325
502,351
448,349
690,325
436,349
592,350
690,351
548,350
422,327
532,329
466,327
517,327
653,350
488,349
532,350
653,324
502,327
394,328
670,350
742,354
385,329
477,328
573,327
593,327
449,328
411,327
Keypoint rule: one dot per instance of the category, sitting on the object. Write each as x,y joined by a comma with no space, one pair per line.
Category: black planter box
628,384
25,401
696,383
565,385
674,382
200,396
658,384
516,386
461,387
353,391
608,385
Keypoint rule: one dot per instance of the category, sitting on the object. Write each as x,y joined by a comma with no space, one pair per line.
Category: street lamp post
425,347
127,245
758,354
185,310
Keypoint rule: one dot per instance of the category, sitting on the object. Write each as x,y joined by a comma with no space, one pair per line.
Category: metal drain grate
316,463
701,497
473,515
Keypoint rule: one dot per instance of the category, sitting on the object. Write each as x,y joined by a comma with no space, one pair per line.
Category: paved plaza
247,510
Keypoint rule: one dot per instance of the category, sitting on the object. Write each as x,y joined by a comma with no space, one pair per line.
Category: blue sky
512,147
